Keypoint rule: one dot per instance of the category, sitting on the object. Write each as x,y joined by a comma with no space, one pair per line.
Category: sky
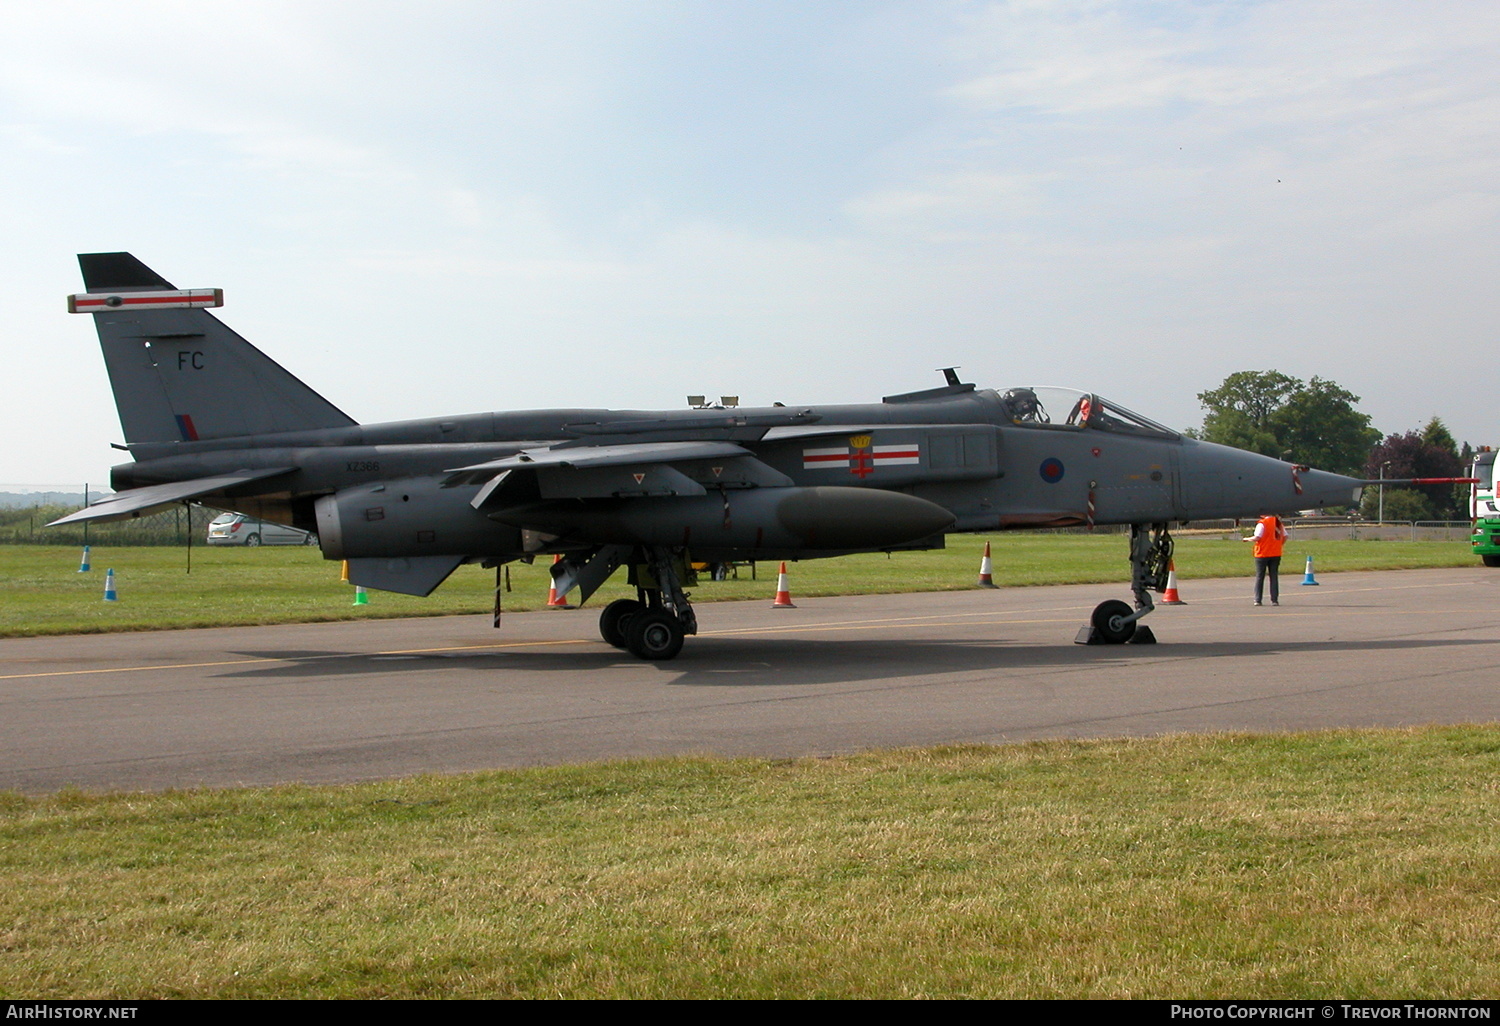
451,207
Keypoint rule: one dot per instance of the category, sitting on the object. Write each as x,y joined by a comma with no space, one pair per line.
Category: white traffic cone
783,592
986,569
109,587
83,567
1170,596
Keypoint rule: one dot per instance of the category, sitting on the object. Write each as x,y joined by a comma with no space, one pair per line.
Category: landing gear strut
653,625
1113,622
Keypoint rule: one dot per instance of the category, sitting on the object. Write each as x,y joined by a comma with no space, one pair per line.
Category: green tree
1320,427
1314,423
1240,410
1455,504
1413,455
1437,433
1401,504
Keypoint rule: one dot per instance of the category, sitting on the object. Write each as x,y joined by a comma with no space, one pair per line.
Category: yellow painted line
248,662
1333,591
860,625
466,648
934,620
777,629
133,669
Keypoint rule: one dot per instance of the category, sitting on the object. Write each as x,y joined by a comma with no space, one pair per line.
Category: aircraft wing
139,502
630,469
793,432
579,456
782,434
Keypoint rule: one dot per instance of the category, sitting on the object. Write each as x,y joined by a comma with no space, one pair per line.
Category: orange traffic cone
986,569
783,593
1170,597
554,600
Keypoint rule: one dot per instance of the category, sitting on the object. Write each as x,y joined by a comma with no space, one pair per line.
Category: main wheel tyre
654,634
1107,621
614,618
254,539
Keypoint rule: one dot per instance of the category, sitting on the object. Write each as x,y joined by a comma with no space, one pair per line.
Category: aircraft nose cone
840,518
1222,482
1321,488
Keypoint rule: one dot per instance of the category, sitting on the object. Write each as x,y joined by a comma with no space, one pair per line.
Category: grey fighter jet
208,418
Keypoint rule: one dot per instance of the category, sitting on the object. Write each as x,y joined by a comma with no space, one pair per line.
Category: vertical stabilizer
178,373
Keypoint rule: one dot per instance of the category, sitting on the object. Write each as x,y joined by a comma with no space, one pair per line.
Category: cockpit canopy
1069,409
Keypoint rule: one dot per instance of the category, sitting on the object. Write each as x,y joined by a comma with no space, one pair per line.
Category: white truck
1484,509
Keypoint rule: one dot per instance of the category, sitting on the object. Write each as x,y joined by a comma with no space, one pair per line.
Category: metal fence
1343,529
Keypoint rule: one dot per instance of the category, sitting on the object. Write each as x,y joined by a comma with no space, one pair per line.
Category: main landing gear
653,625
1114,622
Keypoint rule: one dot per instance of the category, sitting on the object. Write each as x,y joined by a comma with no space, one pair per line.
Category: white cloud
30,138
966,198
469,205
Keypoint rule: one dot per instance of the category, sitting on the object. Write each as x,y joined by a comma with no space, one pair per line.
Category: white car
238,529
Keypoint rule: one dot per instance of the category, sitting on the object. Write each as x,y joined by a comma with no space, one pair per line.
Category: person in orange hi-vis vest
1269,537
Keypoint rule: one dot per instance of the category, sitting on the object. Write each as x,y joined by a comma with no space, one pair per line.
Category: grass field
41,591
1347,864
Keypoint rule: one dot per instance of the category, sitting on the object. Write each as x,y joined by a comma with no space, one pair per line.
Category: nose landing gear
1114,622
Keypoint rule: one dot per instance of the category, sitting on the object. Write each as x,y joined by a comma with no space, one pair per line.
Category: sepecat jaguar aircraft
208,418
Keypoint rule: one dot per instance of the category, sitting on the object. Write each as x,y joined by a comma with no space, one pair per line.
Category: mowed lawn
1350,864
1332,865
42,592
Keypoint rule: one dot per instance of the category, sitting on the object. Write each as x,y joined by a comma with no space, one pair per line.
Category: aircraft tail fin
179,374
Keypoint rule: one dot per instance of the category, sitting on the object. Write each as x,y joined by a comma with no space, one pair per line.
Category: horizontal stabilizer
140,502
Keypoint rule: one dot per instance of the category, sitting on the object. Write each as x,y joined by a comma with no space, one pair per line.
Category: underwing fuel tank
407,517
818,518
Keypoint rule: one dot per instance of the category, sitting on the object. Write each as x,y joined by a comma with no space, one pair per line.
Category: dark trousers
1267,565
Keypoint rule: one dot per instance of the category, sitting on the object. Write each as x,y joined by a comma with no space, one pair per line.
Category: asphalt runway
380,698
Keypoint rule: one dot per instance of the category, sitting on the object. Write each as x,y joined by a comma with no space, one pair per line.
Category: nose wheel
1115,622
1112,622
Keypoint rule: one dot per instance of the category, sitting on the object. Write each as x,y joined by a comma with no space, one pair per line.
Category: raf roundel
1051,470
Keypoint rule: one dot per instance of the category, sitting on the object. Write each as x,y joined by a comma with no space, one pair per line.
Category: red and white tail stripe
160,299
